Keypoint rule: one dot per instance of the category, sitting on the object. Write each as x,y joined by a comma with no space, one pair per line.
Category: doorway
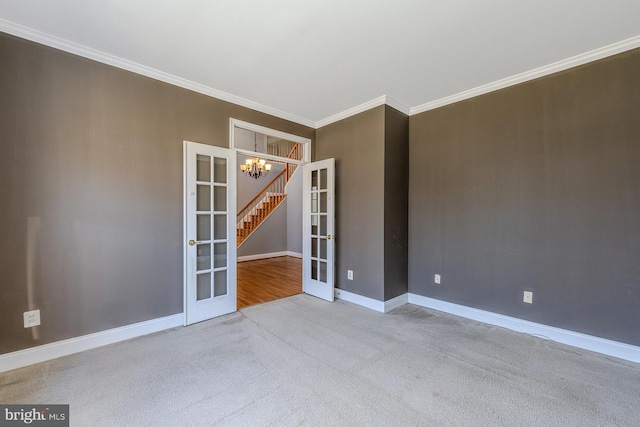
269,248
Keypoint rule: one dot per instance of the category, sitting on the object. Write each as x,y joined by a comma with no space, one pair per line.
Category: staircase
267,200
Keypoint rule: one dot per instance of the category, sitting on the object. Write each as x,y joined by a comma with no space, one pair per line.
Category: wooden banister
294,149
261,193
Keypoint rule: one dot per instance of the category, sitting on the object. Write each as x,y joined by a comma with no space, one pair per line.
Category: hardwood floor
268,279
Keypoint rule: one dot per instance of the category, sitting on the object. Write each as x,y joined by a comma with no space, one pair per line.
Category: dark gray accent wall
372,159
91,190
535,187
357,144
396,202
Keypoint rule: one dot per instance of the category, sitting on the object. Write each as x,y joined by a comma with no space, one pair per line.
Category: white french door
210,232
318,223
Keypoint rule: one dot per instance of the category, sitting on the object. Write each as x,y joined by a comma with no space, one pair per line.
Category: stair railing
296,154
256,210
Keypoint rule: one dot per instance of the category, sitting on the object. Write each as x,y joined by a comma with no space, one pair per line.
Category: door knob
192,242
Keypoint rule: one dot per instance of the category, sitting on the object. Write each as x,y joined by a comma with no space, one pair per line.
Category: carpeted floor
304,361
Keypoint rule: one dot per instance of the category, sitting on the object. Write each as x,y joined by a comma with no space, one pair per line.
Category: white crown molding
392,102
115,61
42,353
555,67
564,336
381,100
352,111
105,58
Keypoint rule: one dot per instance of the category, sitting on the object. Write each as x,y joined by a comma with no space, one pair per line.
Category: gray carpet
302,361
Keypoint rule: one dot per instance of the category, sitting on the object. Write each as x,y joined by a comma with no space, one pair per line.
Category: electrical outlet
31,318
528,297
436,279
350,274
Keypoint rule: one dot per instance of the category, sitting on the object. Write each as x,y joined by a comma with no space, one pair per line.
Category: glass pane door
318,238
209,255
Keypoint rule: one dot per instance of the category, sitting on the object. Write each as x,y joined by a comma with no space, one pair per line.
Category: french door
210,232
318,223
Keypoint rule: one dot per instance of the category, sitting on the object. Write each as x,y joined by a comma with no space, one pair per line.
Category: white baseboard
42,353
373,304
367,302
396,302
294,254
575,339
268,255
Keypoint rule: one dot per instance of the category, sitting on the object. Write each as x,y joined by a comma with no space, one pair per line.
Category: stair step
246,227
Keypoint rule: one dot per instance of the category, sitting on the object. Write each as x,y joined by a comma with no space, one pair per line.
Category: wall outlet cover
31,318
436,279
528,297
350,274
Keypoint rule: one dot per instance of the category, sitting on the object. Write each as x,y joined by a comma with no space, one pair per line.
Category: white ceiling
311,60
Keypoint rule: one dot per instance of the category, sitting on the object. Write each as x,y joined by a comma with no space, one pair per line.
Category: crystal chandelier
255,167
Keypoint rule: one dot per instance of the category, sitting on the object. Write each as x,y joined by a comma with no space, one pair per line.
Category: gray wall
535,187
357,144
396,202
91,188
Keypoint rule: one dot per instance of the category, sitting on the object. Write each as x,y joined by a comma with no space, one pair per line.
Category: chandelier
255,167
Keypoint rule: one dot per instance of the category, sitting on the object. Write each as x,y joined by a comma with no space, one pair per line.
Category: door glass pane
323,271
323,225
204,286
203,225
314,247
323,202
314,225
314,180
219,170
314,270
219,227
220,283
204,257
220,255
203,202
323,249
220,199
314,202
323,179
203,168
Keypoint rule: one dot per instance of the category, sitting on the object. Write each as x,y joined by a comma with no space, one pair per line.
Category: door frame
306,149
235,123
